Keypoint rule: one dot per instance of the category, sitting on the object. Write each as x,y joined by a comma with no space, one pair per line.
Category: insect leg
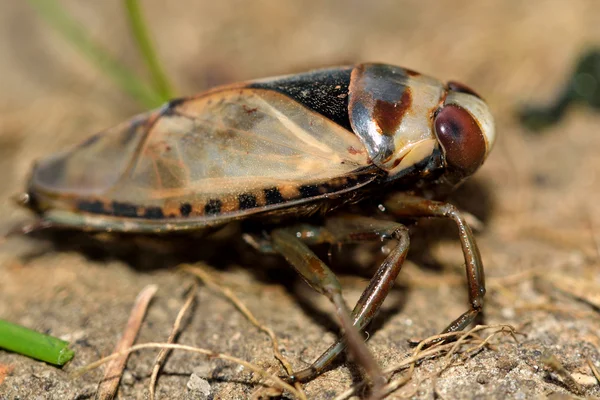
405,206
356,229
323,280
31,227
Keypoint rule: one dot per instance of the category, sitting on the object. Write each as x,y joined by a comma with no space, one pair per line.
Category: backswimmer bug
278,151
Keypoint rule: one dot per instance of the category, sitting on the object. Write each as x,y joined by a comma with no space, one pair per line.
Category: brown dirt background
539,197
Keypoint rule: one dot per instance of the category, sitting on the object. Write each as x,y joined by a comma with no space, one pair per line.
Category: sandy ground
538,196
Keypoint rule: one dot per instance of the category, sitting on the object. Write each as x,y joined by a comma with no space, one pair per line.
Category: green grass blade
34,344
142,37
53,13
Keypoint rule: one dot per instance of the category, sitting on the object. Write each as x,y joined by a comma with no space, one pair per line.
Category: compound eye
461,137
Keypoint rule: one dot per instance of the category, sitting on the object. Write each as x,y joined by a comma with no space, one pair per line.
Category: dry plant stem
162,356
569,311
278,382
108,386
594,369
419,279
463,339
486,341
438,347
514,279
552,362
584,290
209,281
594,234
406,362
514,149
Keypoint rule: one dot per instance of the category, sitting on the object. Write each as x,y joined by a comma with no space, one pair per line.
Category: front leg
404,206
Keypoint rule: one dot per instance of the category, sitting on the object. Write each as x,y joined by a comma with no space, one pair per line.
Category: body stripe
185,209
213,207
309,191
273,196
247,201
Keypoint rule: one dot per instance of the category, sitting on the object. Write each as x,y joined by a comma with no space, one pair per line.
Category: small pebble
506,363
127,378
584,380
199,386
508,312
482,379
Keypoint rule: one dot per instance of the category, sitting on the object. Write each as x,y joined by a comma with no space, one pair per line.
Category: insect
286,152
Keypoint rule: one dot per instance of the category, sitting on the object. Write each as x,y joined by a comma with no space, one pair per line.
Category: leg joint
400,233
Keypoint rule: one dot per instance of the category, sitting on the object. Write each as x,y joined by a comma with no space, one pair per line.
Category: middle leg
345,230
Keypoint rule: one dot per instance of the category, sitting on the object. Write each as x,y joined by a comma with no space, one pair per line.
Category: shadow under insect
225,248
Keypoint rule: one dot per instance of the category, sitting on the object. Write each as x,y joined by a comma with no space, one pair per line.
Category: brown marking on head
388,116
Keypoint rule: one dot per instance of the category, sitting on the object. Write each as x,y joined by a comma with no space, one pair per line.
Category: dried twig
108,386
439,347
594,369
583,290
571,311
162,356
276,380
210,282
552,363
594,234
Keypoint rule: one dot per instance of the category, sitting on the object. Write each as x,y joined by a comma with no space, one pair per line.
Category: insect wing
231,149
230,152
96,165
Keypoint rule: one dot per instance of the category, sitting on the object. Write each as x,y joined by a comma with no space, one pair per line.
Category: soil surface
538,196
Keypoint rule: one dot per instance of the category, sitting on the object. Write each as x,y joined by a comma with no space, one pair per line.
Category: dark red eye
461,137
462,88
